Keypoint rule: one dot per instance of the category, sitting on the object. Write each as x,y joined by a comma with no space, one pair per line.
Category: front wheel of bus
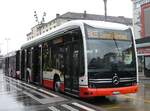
28,79
57,85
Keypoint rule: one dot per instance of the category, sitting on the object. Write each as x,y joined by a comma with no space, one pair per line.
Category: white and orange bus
83,58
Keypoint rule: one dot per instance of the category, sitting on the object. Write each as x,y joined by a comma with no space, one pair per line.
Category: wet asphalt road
15,96
130,102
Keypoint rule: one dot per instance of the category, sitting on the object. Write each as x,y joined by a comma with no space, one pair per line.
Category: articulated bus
83,58
11,64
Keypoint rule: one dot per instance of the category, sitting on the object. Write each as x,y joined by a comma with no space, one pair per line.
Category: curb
37,88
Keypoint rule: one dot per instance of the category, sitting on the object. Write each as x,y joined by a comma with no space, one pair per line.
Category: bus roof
77,23
10,54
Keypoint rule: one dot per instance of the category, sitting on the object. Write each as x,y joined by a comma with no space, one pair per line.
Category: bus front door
37,65
72,68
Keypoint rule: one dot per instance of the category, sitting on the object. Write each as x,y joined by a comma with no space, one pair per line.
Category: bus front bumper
93,92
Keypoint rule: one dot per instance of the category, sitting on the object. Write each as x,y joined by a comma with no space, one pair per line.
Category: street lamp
105,9
40,23
0,47
7,39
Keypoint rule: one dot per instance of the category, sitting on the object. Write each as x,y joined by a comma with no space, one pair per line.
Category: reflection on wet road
18,96
130,102
15,96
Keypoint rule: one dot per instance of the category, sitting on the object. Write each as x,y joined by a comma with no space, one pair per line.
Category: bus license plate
115,93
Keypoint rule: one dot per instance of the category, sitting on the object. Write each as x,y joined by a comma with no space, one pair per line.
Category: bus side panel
48,84
62,86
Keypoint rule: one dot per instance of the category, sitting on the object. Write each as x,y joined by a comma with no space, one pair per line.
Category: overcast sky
17,16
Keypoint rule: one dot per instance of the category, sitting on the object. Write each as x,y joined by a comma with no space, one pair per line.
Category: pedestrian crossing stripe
83,107
53,108
69,107
77,107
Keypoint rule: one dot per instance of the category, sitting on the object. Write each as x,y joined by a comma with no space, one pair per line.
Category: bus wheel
28,79
57,85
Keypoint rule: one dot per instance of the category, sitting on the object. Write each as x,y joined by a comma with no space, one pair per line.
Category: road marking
53,108
83,107
48,93
69,107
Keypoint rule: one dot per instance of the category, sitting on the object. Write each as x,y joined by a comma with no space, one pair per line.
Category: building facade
60,19
141,21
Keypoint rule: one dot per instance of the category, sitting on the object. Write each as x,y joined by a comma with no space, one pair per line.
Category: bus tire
28,79
56,86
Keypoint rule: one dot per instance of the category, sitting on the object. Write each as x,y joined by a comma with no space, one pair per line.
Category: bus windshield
109,49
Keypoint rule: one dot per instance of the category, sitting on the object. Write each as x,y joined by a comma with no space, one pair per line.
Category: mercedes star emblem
115,79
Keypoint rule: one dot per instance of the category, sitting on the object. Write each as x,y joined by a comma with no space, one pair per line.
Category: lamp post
7,39
40,23
0,48
105,9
